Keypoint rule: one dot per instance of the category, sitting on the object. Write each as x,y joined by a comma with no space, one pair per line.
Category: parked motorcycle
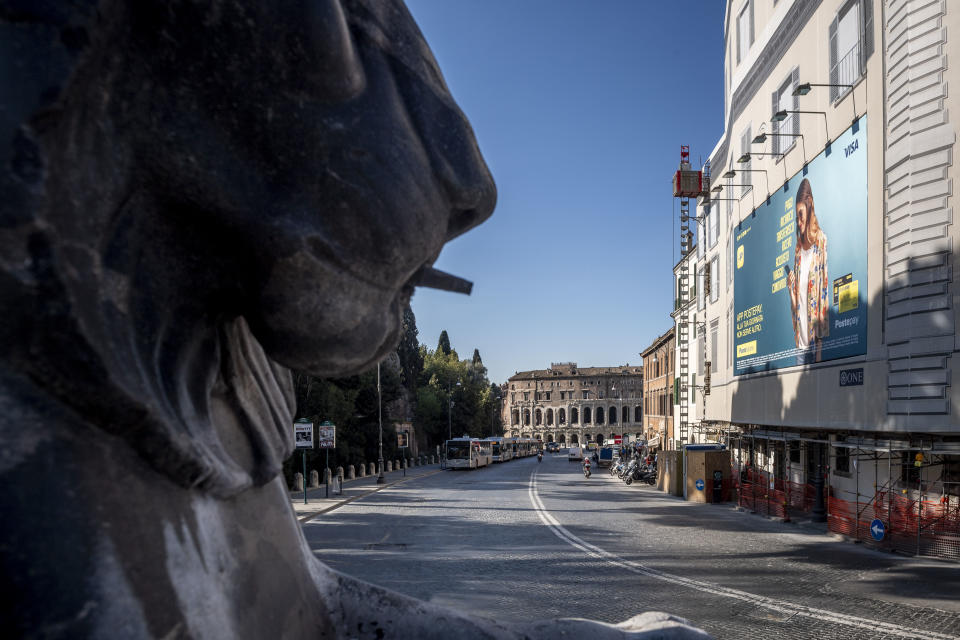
628,472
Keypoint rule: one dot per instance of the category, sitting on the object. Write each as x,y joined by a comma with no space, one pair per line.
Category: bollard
350,472
410,463
373,469
327,477
314,479
389,467
340,473
298,481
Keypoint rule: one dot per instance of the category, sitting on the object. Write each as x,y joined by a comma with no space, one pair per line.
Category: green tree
411,357
443,346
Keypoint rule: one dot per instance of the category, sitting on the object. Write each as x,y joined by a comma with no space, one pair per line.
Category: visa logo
853,146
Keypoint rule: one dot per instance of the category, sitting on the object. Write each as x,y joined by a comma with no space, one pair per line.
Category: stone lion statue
197,197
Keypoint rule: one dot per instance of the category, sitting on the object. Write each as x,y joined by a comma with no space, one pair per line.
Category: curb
337,505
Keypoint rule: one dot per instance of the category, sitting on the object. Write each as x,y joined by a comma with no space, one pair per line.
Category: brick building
658,374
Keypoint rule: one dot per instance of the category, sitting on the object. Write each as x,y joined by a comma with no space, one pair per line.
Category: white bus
468,453
501,449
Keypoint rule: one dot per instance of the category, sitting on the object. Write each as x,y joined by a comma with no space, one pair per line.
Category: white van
575,452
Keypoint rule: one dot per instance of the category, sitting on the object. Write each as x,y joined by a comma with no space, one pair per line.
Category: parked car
574,452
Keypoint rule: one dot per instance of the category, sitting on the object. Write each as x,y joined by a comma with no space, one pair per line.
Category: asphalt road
526,541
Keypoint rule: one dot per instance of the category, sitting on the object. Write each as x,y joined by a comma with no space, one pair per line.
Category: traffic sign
877,529
700,484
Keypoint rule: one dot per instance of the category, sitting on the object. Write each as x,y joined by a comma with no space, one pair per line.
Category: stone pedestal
351,474
314,479
298,481
389,466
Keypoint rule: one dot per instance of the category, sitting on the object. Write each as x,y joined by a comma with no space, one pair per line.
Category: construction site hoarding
800,276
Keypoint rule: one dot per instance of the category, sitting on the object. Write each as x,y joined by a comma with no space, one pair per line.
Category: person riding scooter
586,467
540,456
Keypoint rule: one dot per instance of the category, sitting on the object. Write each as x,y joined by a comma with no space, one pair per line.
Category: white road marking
780,606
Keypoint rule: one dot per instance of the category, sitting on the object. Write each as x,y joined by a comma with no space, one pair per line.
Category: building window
714,335
794,452
744,31
513,397
701,299
746,175
713,231
548,395
841,463
789,127
715,279
851,43
585,394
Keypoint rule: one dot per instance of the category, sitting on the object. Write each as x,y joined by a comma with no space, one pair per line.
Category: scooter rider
540,456
586,467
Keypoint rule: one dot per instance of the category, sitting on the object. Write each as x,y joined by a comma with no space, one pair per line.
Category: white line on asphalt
780,606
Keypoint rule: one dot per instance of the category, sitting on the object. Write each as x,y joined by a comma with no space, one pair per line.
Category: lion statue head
200,196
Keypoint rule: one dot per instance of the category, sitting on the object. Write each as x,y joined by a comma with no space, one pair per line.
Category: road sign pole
326,473
304,476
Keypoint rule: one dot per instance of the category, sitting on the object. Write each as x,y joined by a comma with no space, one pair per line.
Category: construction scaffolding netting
770,496
915,527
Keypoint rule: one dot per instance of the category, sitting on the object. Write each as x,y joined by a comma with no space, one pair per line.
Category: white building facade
828,238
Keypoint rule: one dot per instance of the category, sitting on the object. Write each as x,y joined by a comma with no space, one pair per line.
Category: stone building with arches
569,404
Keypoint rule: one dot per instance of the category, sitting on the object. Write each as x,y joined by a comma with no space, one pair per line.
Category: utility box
670,472
708,475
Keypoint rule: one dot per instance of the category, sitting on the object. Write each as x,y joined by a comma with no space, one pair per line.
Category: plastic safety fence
930,528
775,497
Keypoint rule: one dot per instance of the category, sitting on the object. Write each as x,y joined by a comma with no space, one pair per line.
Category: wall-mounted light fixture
803,89
781,115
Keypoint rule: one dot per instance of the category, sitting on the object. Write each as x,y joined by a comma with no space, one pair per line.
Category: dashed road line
780,606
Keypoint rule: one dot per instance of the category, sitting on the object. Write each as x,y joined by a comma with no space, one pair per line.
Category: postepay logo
739,256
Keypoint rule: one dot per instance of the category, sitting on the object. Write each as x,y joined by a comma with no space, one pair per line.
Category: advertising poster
800,277
327,435
303,435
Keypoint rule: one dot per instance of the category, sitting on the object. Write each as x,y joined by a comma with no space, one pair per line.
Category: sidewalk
318,502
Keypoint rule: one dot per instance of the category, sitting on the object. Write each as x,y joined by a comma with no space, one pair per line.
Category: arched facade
565,400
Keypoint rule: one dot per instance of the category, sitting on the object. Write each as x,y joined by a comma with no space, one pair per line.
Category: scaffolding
898,495
687,184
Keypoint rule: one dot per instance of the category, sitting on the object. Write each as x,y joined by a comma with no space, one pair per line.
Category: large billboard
800,277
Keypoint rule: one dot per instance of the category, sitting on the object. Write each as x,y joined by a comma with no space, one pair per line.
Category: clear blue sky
580,108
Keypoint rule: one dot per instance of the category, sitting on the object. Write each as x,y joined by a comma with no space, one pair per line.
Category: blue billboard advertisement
800,277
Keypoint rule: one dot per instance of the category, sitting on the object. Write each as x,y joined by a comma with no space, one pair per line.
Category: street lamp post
380,478
450,413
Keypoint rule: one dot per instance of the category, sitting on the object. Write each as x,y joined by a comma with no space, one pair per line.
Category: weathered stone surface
196,198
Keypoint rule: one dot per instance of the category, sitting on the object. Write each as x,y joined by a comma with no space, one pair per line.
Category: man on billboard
808,283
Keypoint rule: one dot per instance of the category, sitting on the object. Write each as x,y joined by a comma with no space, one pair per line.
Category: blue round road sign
700,484
877,529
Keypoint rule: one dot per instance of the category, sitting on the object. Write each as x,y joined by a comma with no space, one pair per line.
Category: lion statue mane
196,198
